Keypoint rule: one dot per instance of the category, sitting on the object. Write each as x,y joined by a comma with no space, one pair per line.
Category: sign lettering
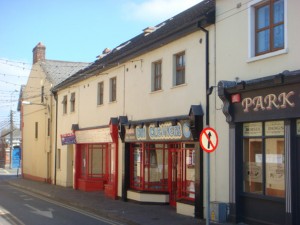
269,102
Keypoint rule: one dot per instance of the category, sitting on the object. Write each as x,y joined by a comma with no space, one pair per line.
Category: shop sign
101,135
278,102
68,139
165,131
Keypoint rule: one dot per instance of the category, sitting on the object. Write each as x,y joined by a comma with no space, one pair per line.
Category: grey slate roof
58,71
202,14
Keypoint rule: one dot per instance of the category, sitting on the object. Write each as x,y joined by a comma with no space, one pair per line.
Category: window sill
178,86
154,92
268,55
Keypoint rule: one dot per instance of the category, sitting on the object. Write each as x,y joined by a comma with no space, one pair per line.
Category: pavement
130,213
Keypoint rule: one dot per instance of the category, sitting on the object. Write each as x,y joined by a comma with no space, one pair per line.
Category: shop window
154,163
93,161
179,76
267,27
263,155
100,93
72,102
156,75
149,167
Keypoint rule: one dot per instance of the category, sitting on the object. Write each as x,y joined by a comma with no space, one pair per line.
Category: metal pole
208,190
11,137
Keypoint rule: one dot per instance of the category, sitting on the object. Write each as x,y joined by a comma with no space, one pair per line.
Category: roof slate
58,71
163,33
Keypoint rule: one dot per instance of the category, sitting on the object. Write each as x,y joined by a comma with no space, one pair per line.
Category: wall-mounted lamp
31,103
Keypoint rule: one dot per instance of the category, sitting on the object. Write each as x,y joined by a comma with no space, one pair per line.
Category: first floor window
269,26
157,75
36,130
263,158
100,93
113,89
72,102
180,68
65,104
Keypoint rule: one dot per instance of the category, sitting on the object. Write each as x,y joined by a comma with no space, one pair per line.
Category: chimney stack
39,53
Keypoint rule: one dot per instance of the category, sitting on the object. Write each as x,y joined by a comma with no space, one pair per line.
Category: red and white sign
209,139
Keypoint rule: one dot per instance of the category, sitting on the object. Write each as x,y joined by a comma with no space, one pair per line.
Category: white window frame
251,33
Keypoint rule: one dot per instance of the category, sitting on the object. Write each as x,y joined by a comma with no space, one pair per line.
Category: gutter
55,149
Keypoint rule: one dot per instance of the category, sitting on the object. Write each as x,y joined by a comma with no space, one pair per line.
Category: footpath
130,213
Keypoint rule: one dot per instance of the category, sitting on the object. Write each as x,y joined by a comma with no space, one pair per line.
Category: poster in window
275,176
253,172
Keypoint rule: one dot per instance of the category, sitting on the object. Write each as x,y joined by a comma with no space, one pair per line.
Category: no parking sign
209,139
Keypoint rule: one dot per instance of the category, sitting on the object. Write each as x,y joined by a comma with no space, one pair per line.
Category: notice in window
274,128
252,129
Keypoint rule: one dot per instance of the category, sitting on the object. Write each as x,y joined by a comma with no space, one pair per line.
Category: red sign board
209,139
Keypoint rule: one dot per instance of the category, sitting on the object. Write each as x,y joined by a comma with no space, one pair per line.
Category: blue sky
71,30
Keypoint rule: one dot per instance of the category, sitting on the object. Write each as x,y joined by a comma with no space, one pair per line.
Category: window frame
65,104
252,56
264,138
72,102
36,133
157,76
113,89
100,93
179,70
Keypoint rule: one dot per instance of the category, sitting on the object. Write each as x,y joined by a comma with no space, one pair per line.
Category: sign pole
208,189
209,142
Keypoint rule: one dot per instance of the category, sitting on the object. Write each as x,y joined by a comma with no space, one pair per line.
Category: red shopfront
164,161
96,159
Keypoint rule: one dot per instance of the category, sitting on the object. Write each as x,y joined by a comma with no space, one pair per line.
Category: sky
71,30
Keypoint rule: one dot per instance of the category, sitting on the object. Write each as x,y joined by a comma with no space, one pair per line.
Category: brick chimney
39,53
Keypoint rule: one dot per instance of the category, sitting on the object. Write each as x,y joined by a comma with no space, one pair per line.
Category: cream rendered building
257,64
130,120
38,114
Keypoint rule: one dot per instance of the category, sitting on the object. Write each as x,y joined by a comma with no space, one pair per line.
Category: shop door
174,175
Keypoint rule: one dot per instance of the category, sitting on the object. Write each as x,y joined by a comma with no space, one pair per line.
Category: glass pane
278,34
253,176
263,39
278,11
275,173
263,17
137,160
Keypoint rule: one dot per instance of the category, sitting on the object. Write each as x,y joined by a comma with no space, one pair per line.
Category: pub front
264,147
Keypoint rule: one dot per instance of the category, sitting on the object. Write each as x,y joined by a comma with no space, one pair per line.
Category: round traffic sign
209,139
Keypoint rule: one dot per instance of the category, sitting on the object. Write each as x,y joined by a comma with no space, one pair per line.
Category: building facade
131,120
37,110
258,73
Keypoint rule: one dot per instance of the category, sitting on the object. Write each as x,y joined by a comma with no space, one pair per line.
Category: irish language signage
165,131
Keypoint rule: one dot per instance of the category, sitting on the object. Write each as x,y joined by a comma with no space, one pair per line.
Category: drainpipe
207,94
55,150
206,71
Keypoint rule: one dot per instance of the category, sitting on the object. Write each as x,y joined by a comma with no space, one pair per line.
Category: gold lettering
246,103
284,98
270,100
258,101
